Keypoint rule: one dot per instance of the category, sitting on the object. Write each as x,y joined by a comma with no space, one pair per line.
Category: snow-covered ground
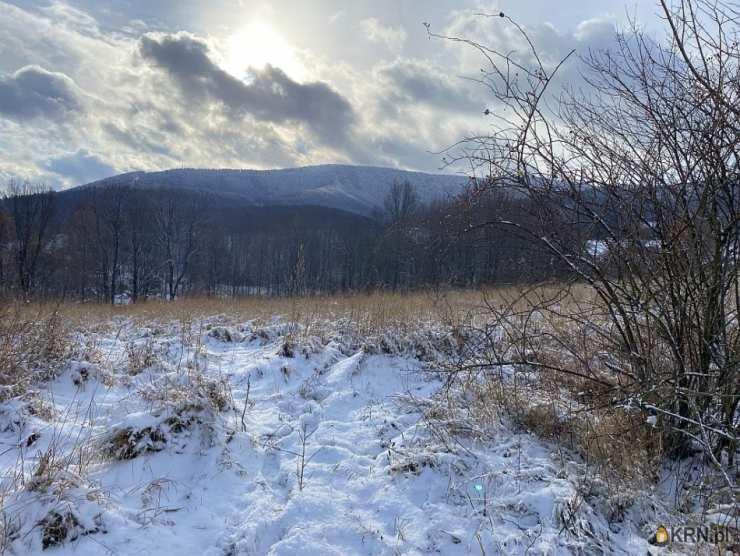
251,439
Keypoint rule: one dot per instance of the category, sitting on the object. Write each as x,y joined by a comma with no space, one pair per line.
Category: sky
89,89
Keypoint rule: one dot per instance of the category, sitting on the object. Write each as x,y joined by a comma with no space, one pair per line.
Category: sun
258,44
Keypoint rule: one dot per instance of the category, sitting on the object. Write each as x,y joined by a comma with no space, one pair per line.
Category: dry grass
543,406
619,446
568,410
372,311
34,343
576,410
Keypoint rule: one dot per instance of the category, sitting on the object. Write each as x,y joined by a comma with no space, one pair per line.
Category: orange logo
661,535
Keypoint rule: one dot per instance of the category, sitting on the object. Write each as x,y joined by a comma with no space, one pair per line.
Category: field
322,425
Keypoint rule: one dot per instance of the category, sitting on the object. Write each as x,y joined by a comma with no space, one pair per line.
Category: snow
596,248
377,480
353,188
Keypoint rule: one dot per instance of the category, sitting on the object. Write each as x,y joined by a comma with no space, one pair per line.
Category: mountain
357,189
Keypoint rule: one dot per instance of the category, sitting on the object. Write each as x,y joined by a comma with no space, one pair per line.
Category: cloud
393,37
80,167
552,44
99,91
500,38
414,81
270,96
336,16
33,92
596,33
71,17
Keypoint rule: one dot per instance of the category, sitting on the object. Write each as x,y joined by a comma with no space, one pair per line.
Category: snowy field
223,438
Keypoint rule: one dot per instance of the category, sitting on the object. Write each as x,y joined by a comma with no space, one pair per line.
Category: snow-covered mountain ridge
353,188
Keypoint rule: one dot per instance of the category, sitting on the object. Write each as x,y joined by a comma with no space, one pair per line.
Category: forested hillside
119,243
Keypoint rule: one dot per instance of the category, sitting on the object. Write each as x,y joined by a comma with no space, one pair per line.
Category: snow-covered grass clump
220,436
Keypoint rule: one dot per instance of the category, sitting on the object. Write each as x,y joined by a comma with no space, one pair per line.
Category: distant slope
357,189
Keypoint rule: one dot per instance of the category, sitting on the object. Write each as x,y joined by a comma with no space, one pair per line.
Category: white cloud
392,37
100,104
552,44
137,117
336,16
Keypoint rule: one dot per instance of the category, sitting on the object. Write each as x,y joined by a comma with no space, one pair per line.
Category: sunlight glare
258,44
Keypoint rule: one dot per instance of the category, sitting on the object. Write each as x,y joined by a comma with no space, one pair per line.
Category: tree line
120,243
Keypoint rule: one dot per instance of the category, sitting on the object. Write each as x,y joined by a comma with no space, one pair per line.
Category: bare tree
401,202
179,223
31,209
635,185
124,239
111,222
139,217
5,273
82,251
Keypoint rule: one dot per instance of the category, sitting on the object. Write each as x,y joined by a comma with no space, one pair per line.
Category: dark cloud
159,100
414,81
80,167
33,92
270,96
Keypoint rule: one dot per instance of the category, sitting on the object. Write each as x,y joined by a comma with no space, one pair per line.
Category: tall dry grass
371,311
620,447
34,342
